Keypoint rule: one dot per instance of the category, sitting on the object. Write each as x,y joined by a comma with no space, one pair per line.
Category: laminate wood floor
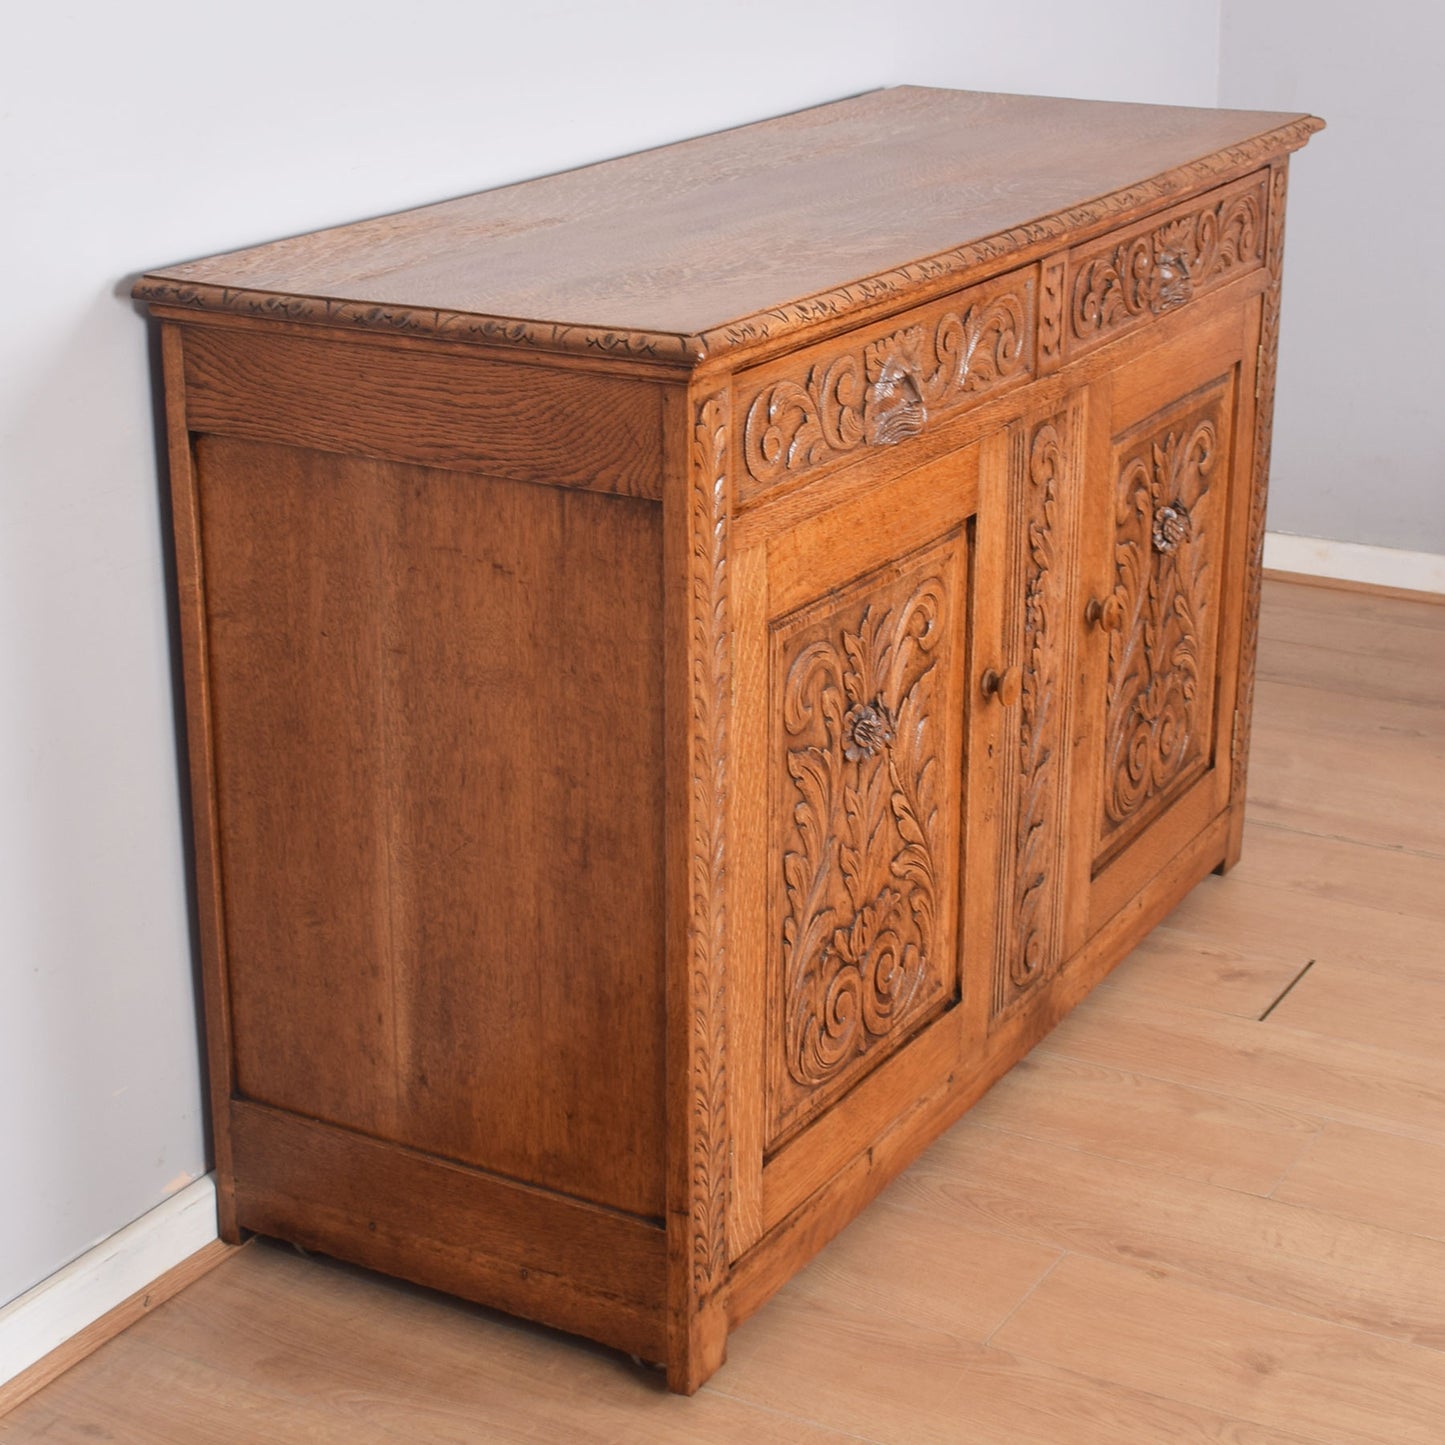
1207,1208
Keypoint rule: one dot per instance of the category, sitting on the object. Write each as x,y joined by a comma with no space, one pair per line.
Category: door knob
1003,687
1107,615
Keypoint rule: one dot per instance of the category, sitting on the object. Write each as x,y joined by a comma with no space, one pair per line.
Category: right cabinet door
1163,520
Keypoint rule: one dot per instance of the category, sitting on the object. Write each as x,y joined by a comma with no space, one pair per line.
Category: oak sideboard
693,665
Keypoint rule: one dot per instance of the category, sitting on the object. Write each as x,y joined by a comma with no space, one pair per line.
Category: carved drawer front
832,404
1171,487
1122,280
864,795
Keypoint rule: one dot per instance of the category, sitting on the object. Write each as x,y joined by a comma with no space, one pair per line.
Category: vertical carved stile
1028,943
1259,481
1051,316
707,924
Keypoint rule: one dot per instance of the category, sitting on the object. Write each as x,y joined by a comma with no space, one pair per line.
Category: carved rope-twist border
1259,481
707,925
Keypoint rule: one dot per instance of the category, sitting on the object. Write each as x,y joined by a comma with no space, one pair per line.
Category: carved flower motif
1172,525
866,729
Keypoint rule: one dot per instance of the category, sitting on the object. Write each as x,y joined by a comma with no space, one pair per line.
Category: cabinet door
851,643
1162,551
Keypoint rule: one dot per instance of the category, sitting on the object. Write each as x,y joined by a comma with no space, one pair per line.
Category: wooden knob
1108,614
1002,686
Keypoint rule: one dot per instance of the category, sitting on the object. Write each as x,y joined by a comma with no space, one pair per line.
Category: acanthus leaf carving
1156,724
1035,740
1159,269
860,861
1038,700
890,388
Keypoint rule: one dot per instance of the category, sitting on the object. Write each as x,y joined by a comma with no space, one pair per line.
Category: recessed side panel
438,755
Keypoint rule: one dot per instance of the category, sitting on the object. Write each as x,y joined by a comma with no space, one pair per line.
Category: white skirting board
57,1308
1355,562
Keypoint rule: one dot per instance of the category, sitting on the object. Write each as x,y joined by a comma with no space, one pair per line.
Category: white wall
135,135
1359,447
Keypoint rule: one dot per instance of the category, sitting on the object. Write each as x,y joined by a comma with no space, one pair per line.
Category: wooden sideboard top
746,235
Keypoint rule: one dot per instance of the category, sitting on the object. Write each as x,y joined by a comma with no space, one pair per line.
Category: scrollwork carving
1038,744
1156,270
1035,738
860,861
888,390
1157,696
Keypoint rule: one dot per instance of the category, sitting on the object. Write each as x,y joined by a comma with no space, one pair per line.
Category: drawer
831,404
1126,278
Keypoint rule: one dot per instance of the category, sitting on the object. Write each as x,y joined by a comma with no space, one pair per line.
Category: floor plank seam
1028,1294
1284,993
712,1388
1311,1109
1390,848
1278,1436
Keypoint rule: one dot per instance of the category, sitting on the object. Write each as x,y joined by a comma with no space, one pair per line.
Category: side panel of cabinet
1163,539
852,643
440,932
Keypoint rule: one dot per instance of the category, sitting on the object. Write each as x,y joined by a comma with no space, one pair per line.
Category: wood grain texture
1287,1068
521,423
112,1323
1370,1175
1193,1133
1399,1010
676,797
903,1382
308,1349
746,235
1329,772
1308,1260
549,1257
200,752
927,1320
1275,1367
405,963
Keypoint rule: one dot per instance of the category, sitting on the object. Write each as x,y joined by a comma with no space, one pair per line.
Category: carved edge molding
874,290
1259,484
875,392
661,346
707,923
770,325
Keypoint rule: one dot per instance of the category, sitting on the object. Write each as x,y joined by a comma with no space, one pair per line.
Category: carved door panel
1163,538
851,642
1026,698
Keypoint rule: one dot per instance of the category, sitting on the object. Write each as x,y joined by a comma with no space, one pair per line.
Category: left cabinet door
852,641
